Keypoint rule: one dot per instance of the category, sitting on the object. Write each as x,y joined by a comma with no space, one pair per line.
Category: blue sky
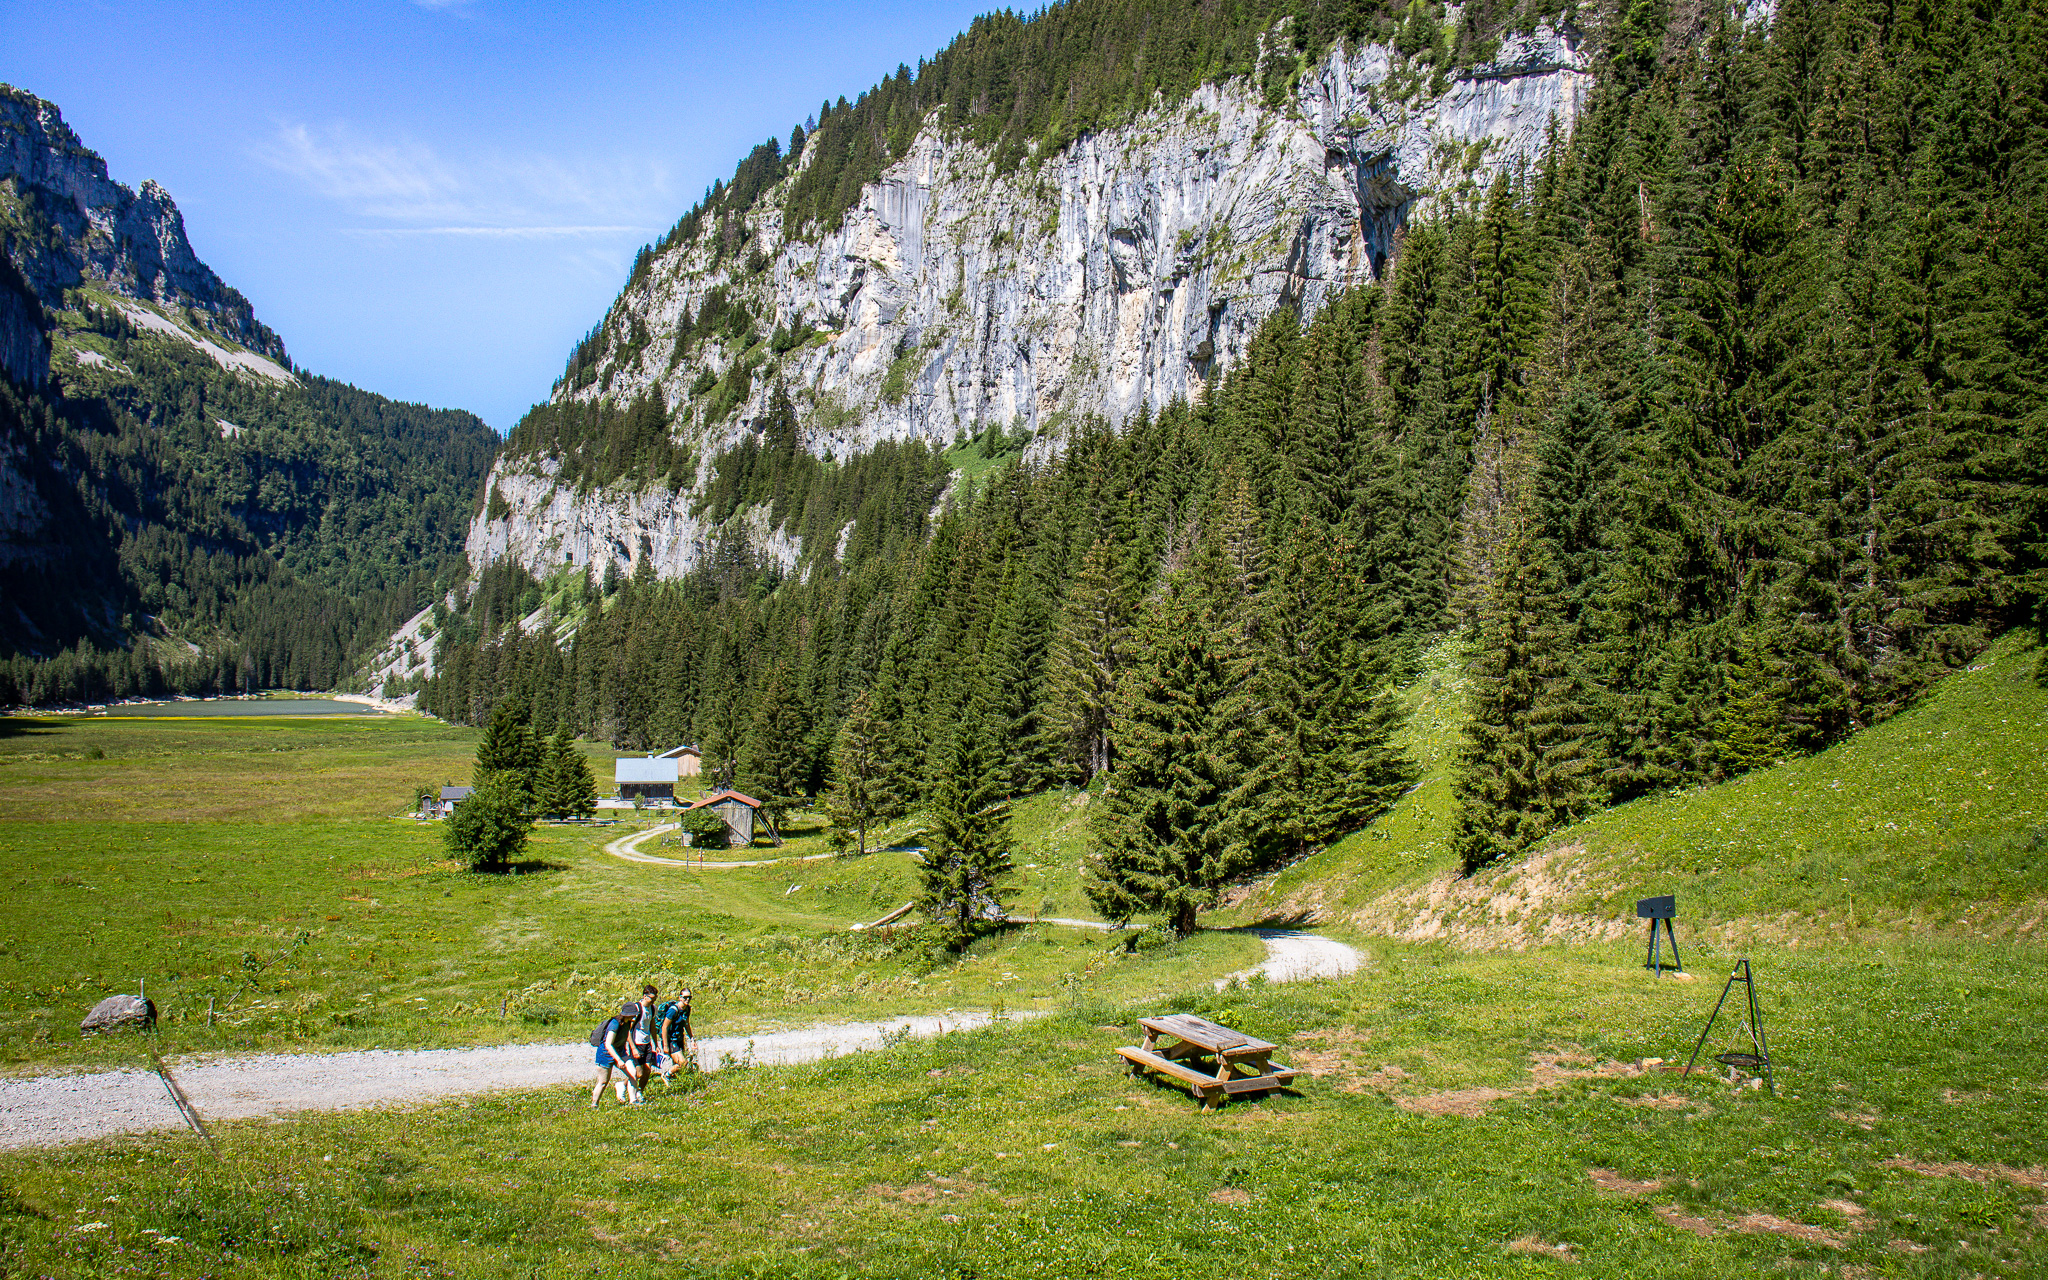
434,200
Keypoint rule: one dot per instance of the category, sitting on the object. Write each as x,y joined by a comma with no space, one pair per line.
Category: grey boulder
119,1011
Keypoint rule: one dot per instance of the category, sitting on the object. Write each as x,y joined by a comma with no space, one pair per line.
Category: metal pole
1725,988
1756,1031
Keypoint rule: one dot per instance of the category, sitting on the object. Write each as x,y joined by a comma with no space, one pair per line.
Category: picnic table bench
1236,1063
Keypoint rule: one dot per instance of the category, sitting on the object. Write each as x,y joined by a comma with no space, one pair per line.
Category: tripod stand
1760,1054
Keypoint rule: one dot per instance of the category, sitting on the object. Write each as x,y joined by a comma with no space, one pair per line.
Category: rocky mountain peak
66,223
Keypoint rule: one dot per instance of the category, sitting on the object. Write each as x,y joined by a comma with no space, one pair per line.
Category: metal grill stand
1760,1054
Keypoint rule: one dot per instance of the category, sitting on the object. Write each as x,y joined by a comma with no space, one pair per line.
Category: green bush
706,829
489,829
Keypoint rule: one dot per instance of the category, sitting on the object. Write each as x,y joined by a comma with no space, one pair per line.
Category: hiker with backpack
672,1035
614,1044
643,1034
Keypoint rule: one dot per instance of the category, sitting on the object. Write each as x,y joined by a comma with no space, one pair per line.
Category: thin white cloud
416,189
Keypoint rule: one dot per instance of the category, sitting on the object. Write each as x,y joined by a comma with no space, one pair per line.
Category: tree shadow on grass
1287,920
531,867
22,726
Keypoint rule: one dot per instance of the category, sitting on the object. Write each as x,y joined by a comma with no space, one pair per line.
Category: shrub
489,828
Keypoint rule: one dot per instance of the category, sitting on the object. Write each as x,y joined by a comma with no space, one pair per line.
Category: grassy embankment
1935,819
256,863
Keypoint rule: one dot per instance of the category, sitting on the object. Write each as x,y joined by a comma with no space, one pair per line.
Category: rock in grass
115,1012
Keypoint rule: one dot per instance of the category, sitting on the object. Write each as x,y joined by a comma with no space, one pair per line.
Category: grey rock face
116,1012
24,342
83,227
1116,276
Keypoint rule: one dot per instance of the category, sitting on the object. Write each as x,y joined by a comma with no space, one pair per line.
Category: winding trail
53,1110
628,847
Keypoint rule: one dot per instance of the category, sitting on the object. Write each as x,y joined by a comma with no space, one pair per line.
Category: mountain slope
1936,819
964,279
181,508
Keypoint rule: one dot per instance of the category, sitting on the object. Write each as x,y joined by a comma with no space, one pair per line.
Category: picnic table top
1213,1036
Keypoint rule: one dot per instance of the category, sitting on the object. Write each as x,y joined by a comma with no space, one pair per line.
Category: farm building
655,777
689,761
741,813
645,778
444,804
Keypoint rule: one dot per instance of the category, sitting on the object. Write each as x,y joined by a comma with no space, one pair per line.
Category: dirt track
49,1111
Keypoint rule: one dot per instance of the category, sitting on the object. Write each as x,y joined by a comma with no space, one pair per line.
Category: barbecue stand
1760,1054
1654,910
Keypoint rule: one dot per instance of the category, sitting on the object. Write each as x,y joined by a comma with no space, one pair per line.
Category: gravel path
628,847
49,1111
1294,956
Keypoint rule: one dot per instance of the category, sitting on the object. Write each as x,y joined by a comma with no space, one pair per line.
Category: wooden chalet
741,814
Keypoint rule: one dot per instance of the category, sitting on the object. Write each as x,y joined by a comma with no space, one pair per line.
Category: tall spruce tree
1164,837
567,788
1085,663
961,880
1325,762
1524,764
863,790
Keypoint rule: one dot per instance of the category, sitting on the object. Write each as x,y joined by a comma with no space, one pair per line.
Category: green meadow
255,868
1496,1110
1468,1116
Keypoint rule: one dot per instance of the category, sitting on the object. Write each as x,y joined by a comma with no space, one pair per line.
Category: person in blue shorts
672,1035
615,1049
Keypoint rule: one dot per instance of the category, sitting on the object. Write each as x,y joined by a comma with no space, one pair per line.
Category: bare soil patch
1537,1247
1234,1196
1712,1225
1469,1103
1615,1184
1980,1173
1547,1070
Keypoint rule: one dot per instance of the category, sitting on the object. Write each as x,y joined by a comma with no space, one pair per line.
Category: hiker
614,1041
643,1033
672,1035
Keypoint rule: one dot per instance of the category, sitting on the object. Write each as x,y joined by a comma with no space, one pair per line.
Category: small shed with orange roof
740,813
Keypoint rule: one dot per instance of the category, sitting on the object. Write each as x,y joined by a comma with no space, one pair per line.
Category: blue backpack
671,1012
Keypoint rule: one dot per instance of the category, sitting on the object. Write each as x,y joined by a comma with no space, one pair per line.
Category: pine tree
1163,836
1750,732
961,879
1086,658
773,766
1323,763
1524,763
864,789
567,787
508,754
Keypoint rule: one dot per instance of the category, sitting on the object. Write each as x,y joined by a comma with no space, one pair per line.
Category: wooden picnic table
1210,1058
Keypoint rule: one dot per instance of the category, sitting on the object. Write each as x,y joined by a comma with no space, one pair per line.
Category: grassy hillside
1475,1116
1936,818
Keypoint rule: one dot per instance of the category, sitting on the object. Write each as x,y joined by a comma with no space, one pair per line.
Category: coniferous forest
1712,438
179,556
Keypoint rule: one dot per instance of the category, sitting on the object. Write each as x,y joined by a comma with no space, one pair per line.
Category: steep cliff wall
24,329
1111,277
67,223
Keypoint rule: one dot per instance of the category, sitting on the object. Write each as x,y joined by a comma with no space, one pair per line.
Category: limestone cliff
66,224
1113,276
